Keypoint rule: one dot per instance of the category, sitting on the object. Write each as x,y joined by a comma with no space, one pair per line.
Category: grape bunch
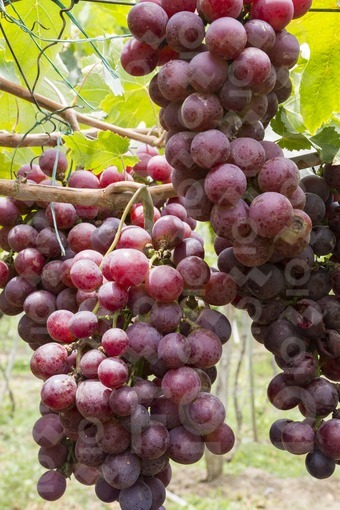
223,65
123,335
294,305
217,94
223,71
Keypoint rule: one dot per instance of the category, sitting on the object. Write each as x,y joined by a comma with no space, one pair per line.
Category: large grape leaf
320,83
101,19
326,4
135,106
132,108
108,149
43,19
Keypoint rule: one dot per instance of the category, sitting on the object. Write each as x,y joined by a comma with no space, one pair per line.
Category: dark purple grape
122,470
185,447
282,396
275,433
328,438
319,465
298,438
51,485
320,397
136,497
165,317
105,492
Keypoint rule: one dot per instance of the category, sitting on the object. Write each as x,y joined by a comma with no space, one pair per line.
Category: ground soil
257,489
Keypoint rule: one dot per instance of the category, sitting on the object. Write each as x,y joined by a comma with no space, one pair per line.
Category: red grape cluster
224,68
124,339
217,93
294,303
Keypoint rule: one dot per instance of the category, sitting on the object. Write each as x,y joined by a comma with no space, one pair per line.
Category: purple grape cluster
277,236
217,95
294,304
123,335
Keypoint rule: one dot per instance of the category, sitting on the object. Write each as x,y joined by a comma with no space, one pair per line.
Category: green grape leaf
327,143
290,139
132,108
11,160
42,18
96,155
326,4
320,83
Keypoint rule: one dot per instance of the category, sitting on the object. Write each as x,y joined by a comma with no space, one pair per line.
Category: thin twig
70,112
53,106
8,139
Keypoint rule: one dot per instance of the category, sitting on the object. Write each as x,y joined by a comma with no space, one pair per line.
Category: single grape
270,213
39,305
173,6
105,492
57,326
210,148
173,81
327,438
136,497
147,22
298,438
260,34
51,485
275,433
128,267
48,431
221,440
113,372
214,9
226,38
277,13
138,58
164,284
165,317
143,341
201,112
207,72
319,465
181,385
51,158
184,31
112,296
225,184
49,359
204,414
250,67
247,154
113,438
286,50
121,471
65,215
185,447
54,457
92,400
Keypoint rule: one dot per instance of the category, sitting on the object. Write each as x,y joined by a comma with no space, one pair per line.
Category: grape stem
143,194
13,140
116,196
